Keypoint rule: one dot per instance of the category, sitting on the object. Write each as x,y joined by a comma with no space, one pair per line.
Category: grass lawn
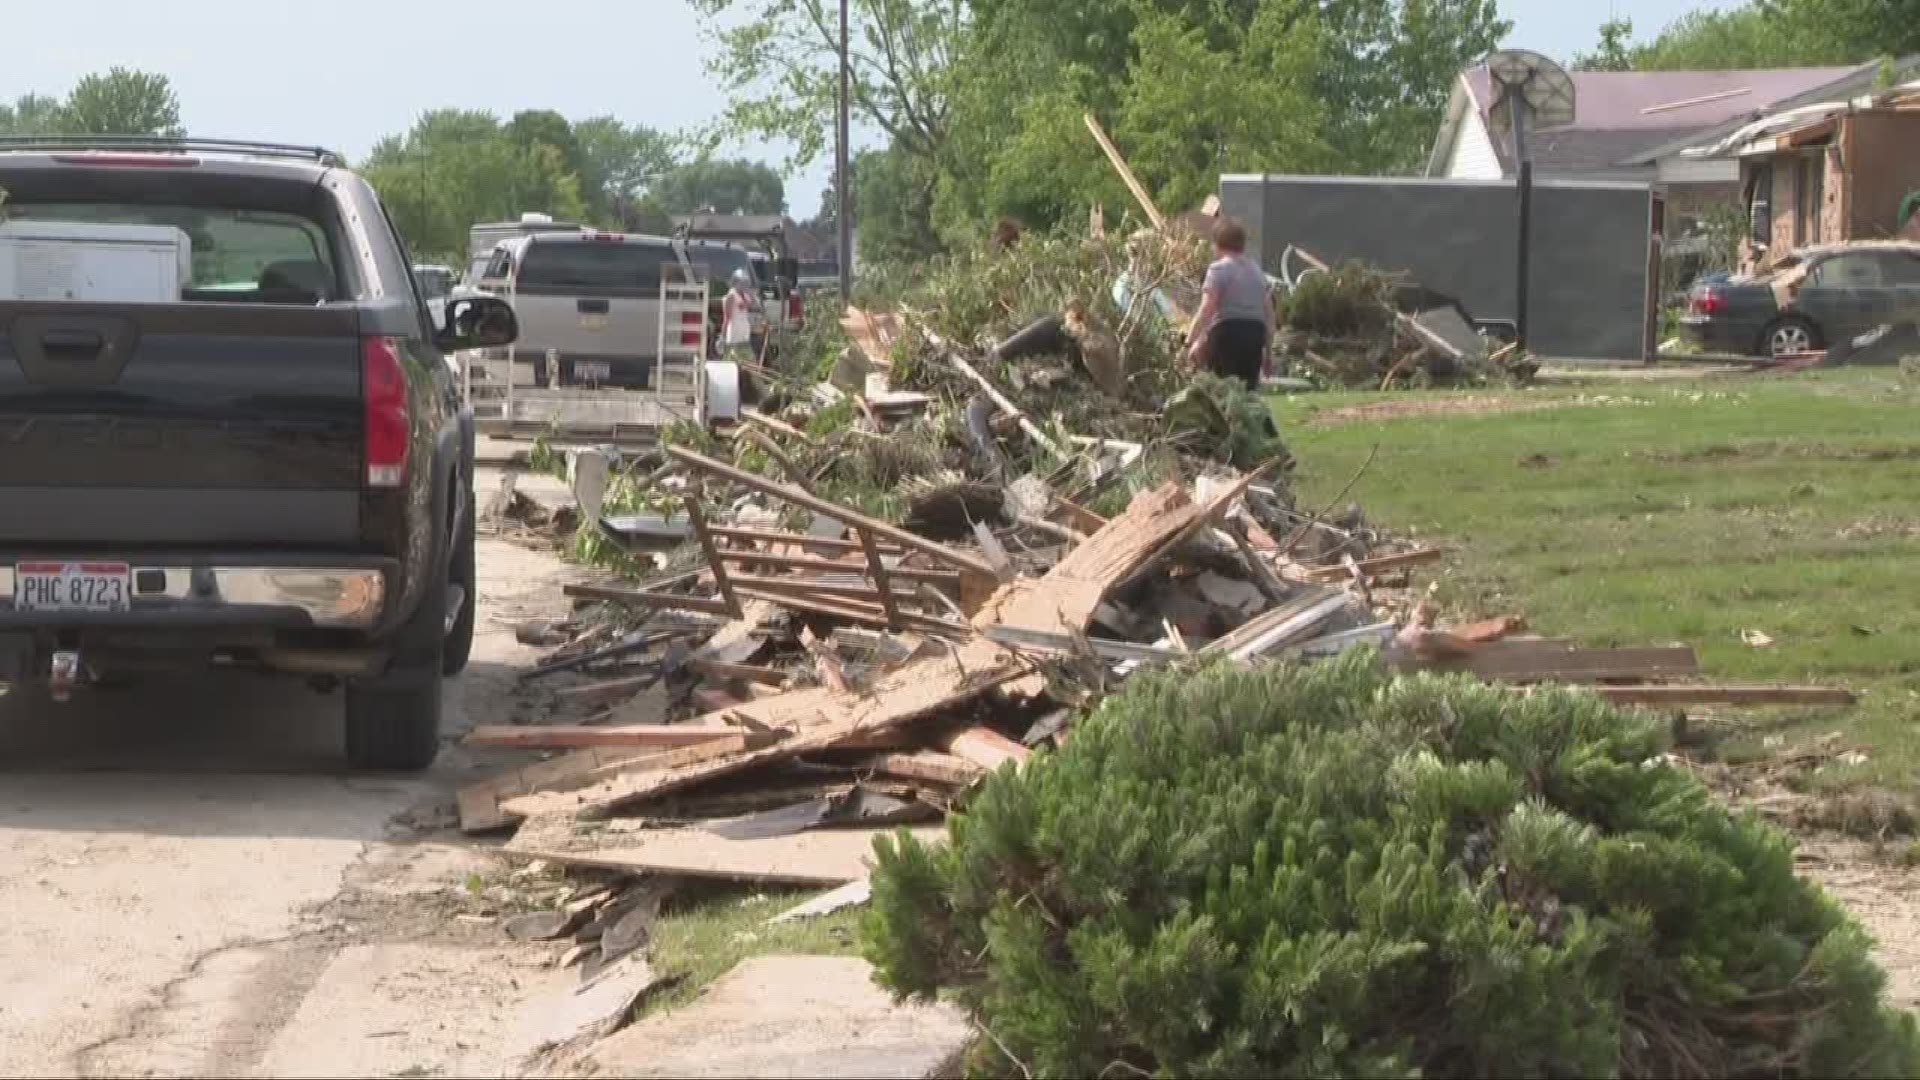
1640,512
713,926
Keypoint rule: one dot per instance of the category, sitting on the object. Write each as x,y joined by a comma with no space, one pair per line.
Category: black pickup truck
262,464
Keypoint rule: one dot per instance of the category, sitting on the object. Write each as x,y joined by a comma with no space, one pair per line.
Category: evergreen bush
1329,871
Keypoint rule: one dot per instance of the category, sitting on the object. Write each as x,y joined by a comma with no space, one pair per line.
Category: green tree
122,102
779,63
893,207
30,114
457,167
618,163
1785,33
727,186
1615,51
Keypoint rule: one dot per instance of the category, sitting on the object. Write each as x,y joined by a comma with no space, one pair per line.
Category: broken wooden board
926,765
816,857
577,736
1529,661
1726,695
481,804
1378,565
985,747
818,719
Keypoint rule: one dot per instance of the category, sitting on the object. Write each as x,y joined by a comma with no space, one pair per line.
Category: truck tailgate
182,425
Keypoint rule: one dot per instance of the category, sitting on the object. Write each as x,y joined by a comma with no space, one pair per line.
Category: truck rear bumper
331,594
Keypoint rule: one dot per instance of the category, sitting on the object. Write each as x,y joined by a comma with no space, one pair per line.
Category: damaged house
1836,170
1638,126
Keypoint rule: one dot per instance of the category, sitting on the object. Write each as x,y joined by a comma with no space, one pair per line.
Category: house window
1760,205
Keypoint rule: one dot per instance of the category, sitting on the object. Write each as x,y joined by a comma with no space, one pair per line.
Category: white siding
1675,169
1473,156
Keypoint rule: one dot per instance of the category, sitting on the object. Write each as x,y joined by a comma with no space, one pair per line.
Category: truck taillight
796,311
1709,302
383,387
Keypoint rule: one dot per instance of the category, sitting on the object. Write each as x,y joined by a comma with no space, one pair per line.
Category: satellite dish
1542,87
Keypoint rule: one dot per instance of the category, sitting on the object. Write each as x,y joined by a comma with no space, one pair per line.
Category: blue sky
346,72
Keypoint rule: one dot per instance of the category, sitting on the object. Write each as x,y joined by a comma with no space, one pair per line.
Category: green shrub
1328,871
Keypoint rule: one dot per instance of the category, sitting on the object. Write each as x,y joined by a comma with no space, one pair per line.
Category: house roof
1613,129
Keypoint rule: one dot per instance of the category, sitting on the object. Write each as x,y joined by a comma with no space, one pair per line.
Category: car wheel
1791,334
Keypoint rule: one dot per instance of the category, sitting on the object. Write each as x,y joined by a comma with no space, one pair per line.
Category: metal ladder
679,376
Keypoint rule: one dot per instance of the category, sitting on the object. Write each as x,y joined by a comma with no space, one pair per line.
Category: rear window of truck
593,266
229,256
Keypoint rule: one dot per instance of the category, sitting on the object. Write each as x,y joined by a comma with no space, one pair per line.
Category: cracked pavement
193,885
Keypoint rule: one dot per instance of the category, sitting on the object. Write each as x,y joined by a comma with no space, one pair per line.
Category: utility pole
840,184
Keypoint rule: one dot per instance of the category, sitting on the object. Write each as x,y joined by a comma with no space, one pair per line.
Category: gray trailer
1595,252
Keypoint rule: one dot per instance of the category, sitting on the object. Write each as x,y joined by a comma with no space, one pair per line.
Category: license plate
593,322
592,370
72,586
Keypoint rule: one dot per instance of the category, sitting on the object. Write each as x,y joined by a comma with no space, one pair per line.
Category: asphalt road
193,884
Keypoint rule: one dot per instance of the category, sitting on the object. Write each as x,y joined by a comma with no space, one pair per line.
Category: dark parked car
1813,297
257,458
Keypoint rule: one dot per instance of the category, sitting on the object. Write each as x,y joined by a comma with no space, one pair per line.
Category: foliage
894,210
779,62
1785,33
456,167
1347,301
120,101
1330,871
728,187
1614,52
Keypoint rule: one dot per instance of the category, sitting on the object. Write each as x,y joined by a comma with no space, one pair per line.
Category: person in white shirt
737,312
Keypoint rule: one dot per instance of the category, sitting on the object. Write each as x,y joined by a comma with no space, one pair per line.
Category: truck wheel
393,720
393,728
464,576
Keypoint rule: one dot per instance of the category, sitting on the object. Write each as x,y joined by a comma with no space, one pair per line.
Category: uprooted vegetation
1328,870
1352,326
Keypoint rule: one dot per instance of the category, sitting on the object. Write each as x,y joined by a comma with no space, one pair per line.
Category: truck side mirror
477,322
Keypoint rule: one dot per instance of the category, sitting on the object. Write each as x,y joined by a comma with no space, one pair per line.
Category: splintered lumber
814,857
643,598
1120,166
734,642
1380,565
872,334
985,747
577,736
926,765
834,566
801,540
791,494
778,427
726,672
481,803
802,600
1537,661
816,719
1726,695
1033,431
1282,626
1045,641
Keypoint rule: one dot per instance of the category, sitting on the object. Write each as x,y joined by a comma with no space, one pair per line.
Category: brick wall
1885,166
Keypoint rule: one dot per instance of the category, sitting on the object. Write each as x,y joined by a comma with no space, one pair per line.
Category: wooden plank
1126,173
1529,661
985,747
778,427
1379,565
926,765
1079,517
814,857
729,672
820,719
1033,431
853,610
1278,626
1726,695
578,736
774,536
1053,643
639,598
805,562
850,589
697,517
791,494
482,804
608,687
